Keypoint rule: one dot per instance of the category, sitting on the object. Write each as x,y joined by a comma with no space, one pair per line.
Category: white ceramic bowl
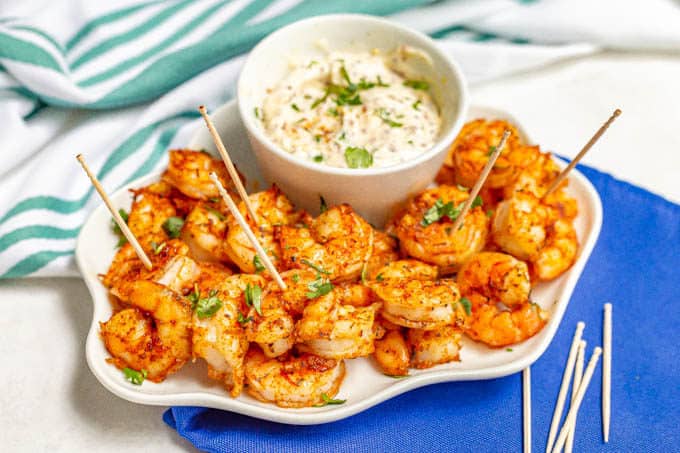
364,385
373,192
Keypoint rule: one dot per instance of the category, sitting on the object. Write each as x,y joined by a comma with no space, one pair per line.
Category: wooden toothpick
578,375
606,370
116,216
249,233
229,164
526,409
582,153
480,182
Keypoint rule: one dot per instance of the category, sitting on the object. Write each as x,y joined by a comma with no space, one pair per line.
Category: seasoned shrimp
189,171
171,267
558,253
273,208
339,242
425,231
496,276
518,225
218,335
333,329
392,354
292,381
205,231
384,252
159,345
420,304
148,213
407,269
499,327
433,347
471,150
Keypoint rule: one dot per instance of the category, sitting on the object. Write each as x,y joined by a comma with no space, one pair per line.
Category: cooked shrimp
406,269
420,304
218,335
148,213
497,276
433,347
558,253
292,381
189,171
171,267
431,238
333,329
518,225
272,208
471,150
339,242
499,327
392,354
160,347
205,231
384,252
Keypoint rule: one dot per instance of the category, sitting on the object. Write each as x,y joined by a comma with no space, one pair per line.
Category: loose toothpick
573,410
116,216
480,182
578,377
229,164
582,153
566,377
526,408
606,370
246,228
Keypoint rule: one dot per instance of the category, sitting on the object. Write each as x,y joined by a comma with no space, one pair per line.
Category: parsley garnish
489,213
208,306
327,400
253,295
122,240
333,111
462,188
216,213
465,302
259,267
417,84
508,349
385,116
476,202
379,277
492,149
323,206
173,226
242,319
295,107
416,104
358,157
318,158
157,248
317,138
257,112
296,278
319,287
319,269
194,296
441,209
134,376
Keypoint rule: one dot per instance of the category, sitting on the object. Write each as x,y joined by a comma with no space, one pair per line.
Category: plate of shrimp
366,313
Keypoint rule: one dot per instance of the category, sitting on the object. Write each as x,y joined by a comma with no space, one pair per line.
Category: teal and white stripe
121,85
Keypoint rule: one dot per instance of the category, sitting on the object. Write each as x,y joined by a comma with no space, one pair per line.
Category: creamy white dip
354,110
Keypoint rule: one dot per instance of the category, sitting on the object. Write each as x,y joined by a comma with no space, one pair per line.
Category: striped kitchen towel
120,82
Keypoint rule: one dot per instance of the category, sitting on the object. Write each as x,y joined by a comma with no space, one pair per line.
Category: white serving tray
364,385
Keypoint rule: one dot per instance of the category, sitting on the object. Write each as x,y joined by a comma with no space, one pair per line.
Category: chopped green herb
345,75
385,116
380,277
333,111
208,306
157,248
295,278
253,295
463,188
508,349
489,213
410,142
416,104
477,202
417,84
439,210
342,136
314,266
319,287
318,158
194,297
364,276
242,319
358,157
465,302
216,213
173,227
327,400
381,84
317,138
257,264
122,240
134,376
257,112
319,100
323,206
312,63
492,149
295,107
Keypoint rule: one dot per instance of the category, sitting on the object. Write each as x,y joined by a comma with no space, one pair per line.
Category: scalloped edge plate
364,386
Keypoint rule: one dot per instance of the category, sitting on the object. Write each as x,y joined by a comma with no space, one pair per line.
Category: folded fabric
635,265
142,67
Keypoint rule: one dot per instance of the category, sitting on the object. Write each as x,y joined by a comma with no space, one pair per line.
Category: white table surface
51,401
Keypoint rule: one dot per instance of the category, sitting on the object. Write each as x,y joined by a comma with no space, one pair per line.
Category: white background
51,401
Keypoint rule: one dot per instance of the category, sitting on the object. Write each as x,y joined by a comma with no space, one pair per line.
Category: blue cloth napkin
635,265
